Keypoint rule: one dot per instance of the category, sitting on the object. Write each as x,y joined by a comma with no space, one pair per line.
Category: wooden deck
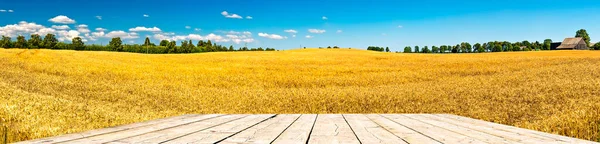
312,128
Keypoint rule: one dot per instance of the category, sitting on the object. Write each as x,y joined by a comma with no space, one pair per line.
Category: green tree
582,33
231,48
465,47
435,49
407,49
456,49
116,44
387,49
164,42
426,50
50,41
477,48
596,46
184,46
77,43
209,46
416,49
172,47
35,41
443,48
191,46
497,48
547,44
147,42
21,42
6,42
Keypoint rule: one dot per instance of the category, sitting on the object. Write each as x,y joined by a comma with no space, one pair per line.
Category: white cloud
98,34
247,33
317,31
139,29
293,35
23,28
45,31
324,18
228,15
122,34
146,15
64,35
99,17
309,36
1,10
291,31
100,29
197,29
161,37
339,31
400,26
60,27
188,27
11,11
232,36
271,36
82,28
62,20
213,37
249,17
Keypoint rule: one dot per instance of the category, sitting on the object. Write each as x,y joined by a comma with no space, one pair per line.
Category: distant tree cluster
116,44
376,48
496,46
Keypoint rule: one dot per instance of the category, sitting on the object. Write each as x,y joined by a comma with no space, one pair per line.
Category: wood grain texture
265,132
330,129
313,128
298,132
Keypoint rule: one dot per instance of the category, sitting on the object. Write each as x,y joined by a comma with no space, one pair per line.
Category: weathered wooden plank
432,131
298,132
221,132
401,131
520,131
332,128
485,137
369,132
141,130
265,132
108,130
518,138
180,131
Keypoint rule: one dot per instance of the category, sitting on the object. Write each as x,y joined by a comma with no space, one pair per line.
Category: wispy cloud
317,31
62,20
271,36
339,31
400,26
228,15
99,17
291,31
146,15
324,18
188,27
309,36
139,29
249,17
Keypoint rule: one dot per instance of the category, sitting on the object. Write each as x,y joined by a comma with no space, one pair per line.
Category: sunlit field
53,92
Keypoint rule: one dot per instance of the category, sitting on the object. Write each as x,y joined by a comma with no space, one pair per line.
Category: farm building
554,45
573,44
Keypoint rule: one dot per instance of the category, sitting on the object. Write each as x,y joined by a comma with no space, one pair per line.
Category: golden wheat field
53,92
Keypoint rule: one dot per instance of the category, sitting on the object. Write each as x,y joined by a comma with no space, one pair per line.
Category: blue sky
348,23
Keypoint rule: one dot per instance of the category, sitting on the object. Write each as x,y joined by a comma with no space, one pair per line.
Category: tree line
492,46
116,44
